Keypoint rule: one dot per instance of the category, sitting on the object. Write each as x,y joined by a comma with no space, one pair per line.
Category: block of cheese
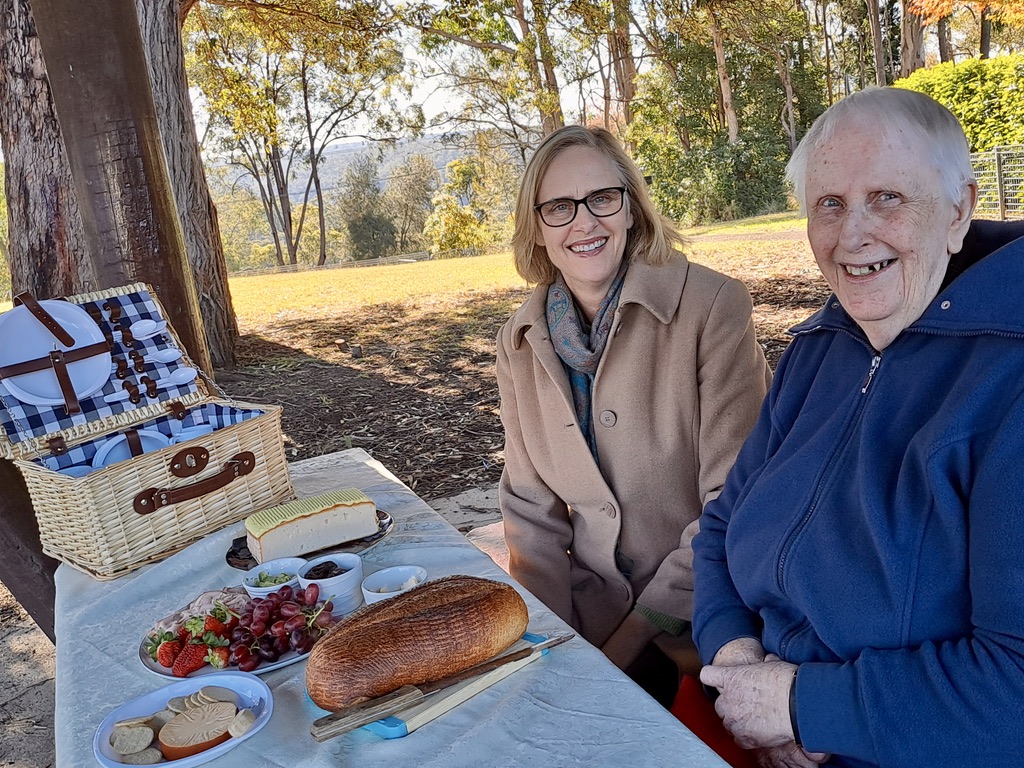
306,525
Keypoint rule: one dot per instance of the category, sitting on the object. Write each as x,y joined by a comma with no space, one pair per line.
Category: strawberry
184,635
195,626
226,615
154,641
215,625
218,656
168,652
191,658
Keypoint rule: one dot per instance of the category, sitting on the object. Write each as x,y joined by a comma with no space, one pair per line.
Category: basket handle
153,499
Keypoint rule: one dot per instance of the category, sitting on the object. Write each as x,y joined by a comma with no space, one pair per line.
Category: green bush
986,95
718,183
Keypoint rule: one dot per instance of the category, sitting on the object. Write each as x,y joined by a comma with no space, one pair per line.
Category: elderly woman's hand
789,756
754,701
742,650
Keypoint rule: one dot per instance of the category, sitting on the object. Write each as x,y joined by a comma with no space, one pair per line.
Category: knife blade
358,715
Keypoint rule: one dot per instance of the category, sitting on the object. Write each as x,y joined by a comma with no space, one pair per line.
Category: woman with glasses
628,382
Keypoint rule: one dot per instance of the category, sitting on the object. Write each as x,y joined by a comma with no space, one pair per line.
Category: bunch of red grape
286,620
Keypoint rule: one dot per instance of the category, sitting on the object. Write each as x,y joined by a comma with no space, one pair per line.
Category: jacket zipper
876,360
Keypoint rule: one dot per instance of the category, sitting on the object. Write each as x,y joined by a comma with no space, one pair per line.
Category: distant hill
338,157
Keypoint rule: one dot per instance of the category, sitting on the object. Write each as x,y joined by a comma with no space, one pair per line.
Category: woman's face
881,225
589,250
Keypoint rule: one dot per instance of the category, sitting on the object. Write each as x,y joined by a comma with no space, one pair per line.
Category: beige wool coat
677,390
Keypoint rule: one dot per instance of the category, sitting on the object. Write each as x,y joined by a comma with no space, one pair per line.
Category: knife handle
350,718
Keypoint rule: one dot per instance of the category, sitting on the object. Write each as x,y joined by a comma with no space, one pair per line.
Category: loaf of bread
432,631
306,525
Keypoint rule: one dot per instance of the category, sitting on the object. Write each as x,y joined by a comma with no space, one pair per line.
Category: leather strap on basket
67,389
28,301
42,363
153,499
134,443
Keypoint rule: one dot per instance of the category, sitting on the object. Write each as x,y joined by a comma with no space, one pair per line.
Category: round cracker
141,720
177,704
127,740
148,756
211,694
160,719
242,723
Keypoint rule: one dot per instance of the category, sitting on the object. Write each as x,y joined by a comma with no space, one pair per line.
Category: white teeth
589,246
867,270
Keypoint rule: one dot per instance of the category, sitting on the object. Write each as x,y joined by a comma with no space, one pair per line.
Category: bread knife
358,715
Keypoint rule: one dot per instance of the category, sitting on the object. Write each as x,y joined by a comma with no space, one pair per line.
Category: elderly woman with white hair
859,591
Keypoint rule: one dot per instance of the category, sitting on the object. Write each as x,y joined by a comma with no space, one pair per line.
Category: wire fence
1000,175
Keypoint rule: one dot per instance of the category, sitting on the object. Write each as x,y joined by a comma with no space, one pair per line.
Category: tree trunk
552,91
875,21
788,110
99,80
724,83
161,32
46,243
911,42
985,47
624,65
945,47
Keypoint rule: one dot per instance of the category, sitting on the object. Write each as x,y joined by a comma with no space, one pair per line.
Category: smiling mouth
867,269
588,247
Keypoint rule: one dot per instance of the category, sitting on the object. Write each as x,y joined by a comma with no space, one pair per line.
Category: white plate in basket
252,692
116,448
23,337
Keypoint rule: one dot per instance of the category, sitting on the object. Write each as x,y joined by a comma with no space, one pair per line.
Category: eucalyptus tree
510,37
47,244
407,199
280,94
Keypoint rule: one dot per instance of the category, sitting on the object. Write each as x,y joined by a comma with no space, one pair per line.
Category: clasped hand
754,702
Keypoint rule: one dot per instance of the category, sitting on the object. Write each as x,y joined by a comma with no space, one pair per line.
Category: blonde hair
653,239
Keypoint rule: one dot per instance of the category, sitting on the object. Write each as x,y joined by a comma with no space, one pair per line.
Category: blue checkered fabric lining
214,414
22,421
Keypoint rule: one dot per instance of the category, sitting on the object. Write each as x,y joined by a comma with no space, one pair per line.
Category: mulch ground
414,384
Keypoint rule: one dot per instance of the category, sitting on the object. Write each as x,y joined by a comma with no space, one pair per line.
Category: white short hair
891,109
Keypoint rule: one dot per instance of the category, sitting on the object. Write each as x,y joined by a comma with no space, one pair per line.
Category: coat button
607,418
609,509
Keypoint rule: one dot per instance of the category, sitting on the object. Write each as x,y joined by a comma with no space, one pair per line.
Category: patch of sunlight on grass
772,222
263,298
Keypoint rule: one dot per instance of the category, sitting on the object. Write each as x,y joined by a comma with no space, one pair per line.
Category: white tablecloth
571,707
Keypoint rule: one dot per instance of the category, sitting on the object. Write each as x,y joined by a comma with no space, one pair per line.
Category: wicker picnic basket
212,461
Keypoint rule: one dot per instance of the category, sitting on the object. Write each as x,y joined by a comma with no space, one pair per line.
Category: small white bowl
289,565
340,589
392,581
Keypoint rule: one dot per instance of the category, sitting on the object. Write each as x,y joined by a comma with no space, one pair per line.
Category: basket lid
148,365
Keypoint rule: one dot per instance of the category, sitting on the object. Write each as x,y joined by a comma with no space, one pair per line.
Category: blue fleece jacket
872,531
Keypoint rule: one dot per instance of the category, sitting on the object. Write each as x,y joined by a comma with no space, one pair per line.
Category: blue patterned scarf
580,353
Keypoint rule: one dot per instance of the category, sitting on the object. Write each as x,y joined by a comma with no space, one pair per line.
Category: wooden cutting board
418,715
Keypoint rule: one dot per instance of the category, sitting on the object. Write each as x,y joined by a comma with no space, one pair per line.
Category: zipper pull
875,361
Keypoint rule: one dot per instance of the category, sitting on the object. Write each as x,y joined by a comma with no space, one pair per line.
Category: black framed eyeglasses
563,210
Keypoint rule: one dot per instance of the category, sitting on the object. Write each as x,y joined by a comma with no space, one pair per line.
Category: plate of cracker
186,723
